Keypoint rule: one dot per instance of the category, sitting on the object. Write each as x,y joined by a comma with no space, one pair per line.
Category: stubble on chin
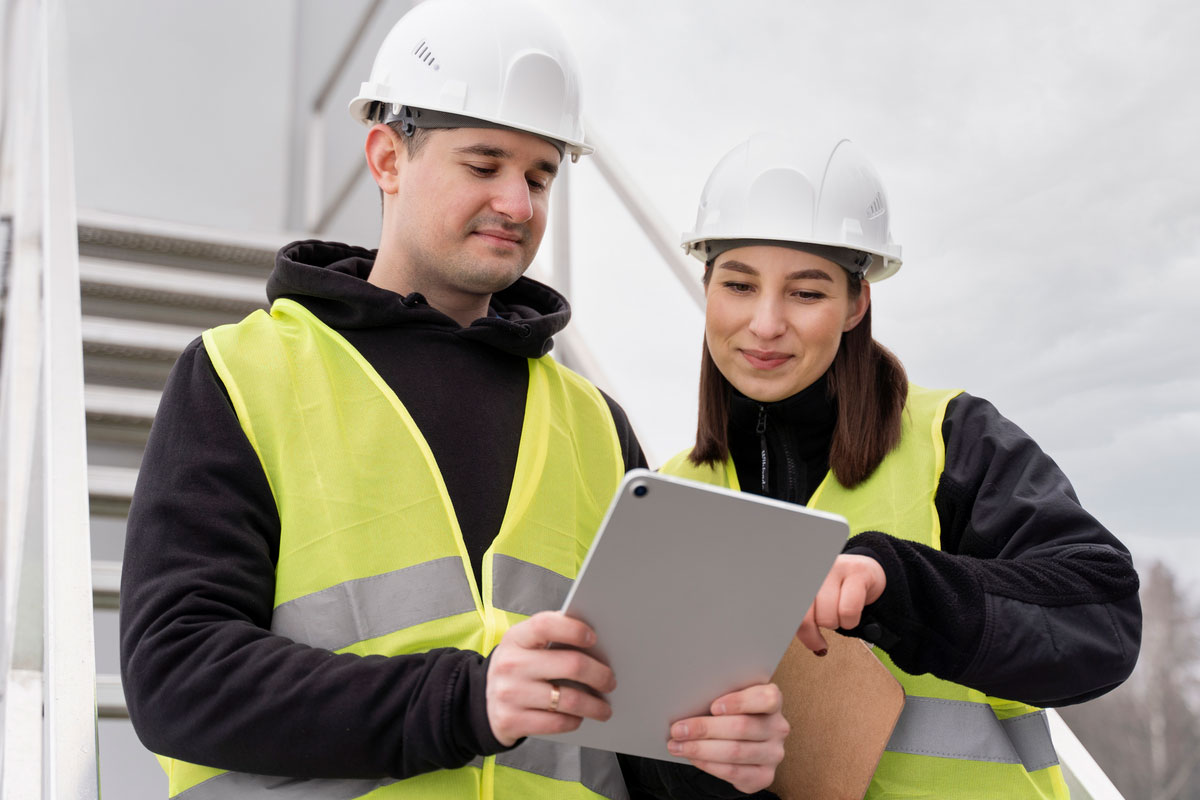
485,276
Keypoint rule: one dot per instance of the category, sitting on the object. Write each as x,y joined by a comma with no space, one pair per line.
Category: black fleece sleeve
205,679
1029,599
631,448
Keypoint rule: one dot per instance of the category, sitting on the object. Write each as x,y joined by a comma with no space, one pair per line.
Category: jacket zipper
790,488
761,429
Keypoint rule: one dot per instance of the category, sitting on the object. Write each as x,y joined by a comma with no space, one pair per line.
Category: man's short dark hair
412,143
416,141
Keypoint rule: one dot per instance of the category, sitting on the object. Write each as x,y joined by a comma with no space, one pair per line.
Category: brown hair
414,141
866,382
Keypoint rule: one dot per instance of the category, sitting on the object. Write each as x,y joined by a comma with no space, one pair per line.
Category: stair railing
47,654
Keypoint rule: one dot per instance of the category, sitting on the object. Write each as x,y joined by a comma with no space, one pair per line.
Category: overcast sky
1039,158
1045,185
1040,161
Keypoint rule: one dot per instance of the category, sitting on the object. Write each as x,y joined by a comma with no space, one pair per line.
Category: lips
765,359
498,236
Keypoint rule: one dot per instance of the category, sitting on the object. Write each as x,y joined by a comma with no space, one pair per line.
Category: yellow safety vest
950,741
371,556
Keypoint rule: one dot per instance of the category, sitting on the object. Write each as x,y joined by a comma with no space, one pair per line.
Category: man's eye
481,171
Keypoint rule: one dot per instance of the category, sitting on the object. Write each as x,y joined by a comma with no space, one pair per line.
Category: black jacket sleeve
1030,598
205,679
631,448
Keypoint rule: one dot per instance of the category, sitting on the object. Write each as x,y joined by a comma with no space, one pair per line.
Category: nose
768,321
512,198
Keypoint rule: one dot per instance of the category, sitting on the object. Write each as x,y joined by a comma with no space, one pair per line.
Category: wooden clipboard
842,709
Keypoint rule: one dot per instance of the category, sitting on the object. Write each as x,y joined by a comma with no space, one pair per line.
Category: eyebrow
802,274
488,151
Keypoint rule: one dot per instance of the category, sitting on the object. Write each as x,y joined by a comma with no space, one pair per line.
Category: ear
385,156
858,309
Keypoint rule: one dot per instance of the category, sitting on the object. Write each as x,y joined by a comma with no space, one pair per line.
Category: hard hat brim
359,106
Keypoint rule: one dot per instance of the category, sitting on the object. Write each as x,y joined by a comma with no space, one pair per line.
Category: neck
462,307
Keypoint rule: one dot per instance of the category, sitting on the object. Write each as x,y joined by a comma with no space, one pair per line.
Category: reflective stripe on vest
595,769
951,741
929,726
352,477
366,608
525,588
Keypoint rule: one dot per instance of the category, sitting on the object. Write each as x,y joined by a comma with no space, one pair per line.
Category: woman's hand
741,743
852,584
523,694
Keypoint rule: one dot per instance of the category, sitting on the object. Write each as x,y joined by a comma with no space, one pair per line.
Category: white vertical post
70,685
560,198
21,760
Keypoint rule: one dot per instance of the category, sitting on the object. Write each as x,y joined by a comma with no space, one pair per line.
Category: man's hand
852,584
522,695
741,743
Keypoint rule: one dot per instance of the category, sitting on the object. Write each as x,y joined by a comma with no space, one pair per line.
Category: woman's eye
739,288
805,294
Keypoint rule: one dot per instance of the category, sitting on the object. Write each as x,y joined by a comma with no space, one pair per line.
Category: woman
972,566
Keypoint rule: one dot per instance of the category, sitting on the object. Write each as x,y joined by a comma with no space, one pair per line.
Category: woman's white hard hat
775,189
503,63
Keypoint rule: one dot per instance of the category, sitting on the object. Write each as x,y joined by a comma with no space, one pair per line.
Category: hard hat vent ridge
425,55
877,208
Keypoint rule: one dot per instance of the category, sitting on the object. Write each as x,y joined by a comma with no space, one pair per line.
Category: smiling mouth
765,359
499,237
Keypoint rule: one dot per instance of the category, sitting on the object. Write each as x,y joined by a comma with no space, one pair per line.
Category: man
346,504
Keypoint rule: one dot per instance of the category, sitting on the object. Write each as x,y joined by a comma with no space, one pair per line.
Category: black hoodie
1029,598
205,679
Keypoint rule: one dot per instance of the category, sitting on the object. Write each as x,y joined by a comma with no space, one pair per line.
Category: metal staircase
147,289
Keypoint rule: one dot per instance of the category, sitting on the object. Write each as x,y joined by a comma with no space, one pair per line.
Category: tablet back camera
640,489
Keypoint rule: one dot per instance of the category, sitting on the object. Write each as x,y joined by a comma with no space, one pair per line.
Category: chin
489,279
769,392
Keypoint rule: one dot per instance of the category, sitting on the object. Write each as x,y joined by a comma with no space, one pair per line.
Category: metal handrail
647,218
1084,776
49,701
20,365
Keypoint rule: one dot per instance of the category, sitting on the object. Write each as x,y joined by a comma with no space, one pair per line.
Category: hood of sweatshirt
330,279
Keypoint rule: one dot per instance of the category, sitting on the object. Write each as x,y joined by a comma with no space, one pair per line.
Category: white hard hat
772,189
502,63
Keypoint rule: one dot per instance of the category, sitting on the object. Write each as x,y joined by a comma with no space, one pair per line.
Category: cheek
541,212
826,336
719,318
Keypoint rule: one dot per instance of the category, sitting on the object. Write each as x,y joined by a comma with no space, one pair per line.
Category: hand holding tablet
694,593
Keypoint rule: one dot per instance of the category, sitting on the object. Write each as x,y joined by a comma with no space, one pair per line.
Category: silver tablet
693,591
